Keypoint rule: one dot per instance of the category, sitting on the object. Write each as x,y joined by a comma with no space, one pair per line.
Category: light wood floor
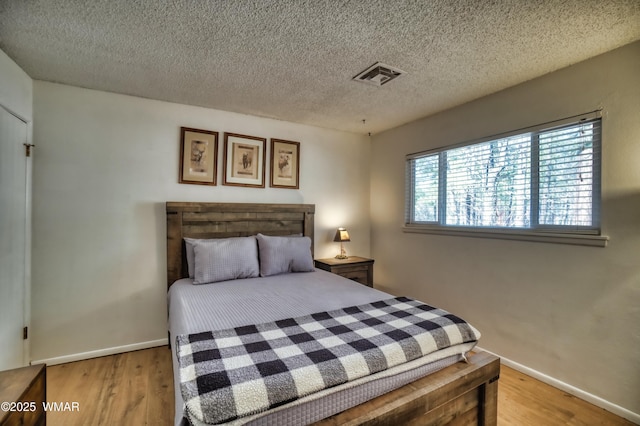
136,388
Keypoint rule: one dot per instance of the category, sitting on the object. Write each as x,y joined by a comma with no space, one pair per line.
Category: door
13,228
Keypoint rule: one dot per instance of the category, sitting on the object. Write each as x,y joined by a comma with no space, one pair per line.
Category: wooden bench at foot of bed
461,394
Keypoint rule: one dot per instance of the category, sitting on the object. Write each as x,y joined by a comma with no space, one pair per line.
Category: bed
449,390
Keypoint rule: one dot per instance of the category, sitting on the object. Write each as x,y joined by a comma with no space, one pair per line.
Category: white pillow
225,259
281,255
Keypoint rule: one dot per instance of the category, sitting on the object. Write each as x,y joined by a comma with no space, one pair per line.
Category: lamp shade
341,235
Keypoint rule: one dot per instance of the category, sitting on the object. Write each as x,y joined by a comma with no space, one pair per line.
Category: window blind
542,178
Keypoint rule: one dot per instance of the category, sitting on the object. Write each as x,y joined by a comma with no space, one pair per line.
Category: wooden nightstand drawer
360,276
354,268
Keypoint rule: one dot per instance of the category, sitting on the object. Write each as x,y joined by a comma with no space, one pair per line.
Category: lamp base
343,252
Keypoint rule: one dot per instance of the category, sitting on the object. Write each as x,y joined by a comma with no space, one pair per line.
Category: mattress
222,305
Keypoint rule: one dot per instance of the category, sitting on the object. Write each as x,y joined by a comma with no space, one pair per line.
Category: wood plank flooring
133,388
525,401
136,388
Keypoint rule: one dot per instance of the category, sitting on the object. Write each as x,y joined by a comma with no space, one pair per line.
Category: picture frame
198,156
285,164
244,160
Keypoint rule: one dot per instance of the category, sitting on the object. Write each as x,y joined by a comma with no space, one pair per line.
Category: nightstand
25,390
355,268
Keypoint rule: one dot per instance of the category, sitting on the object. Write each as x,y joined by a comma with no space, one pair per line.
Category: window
542,179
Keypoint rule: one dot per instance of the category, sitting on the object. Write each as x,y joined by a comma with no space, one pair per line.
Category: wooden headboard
222,220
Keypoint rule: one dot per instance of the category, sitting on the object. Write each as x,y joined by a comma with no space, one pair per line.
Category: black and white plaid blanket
233,373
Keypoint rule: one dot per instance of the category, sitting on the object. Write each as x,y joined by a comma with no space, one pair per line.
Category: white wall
105,166
572,313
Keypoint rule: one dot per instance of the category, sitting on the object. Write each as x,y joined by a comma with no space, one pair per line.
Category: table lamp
341,236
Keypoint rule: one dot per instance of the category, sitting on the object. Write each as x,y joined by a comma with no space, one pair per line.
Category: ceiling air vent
378,74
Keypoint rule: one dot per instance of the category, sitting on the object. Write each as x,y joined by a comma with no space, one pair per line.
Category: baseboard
572,390
101,352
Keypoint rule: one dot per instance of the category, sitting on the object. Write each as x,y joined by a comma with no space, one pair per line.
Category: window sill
519,235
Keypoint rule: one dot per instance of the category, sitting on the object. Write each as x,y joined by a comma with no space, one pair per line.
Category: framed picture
244,160
285,164
198,156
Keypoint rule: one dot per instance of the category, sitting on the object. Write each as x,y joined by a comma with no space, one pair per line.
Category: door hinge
27,147
25,333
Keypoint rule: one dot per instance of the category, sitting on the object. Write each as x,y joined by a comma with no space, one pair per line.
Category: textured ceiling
293,60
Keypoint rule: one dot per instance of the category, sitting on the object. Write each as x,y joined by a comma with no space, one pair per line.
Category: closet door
13,244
